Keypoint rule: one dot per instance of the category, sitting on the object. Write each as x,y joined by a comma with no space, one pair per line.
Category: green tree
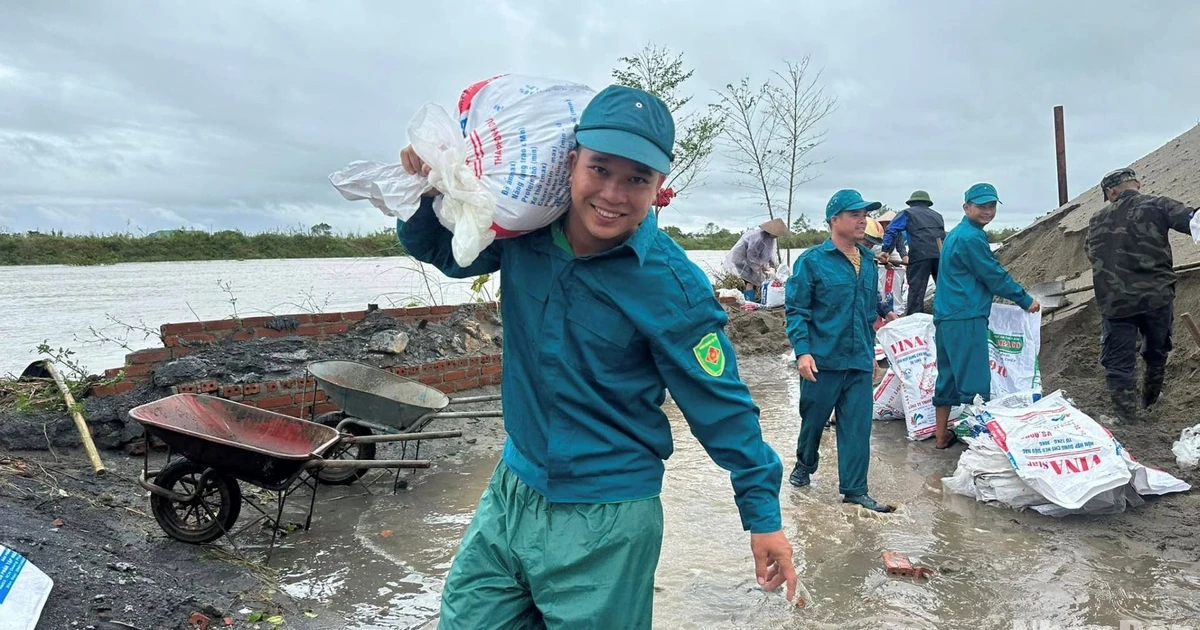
321,229
801,224
658,71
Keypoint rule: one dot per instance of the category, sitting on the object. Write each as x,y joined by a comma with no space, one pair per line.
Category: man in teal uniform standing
832,303
602,314
969,277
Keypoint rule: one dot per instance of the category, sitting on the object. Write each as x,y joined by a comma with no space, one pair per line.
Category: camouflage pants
1118,345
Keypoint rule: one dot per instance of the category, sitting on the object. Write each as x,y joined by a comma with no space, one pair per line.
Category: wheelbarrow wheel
344,476
204,519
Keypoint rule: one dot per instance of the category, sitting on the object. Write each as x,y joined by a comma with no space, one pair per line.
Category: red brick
325,407
485,359
198,338
394,312
153,355
461,364
170,341
442,310
473,372
310,396
445,388
325,318
251,389
271,387
275,402
222,324
896,563
295,411
254,322
181,329
230,391
208,387
454,375
243,335
470,383
475,361
336,329
140,369
418,311
411,370
354,316
310,330
492,369
290,384
431,379
189,388
99,391
124,386
112,372
271,333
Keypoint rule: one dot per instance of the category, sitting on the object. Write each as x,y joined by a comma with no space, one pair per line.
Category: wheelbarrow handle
400,437
464,414
474,399
368,463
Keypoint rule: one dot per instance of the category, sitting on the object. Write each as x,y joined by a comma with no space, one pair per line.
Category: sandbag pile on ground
910,345
1048,455
501,167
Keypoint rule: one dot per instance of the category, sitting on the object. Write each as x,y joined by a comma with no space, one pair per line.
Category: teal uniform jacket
970,275
831,312
590,347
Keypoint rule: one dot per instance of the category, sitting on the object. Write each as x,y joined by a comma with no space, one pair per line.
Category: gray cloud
151,115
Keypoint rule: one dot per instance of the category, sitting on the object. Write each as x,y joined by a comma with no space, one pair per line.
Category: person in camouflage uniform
1128,245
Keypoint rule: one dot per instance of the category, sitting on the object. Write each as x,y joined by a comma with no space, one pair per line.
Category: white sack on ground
1049,456
1187,448
501,167
888,404
908,343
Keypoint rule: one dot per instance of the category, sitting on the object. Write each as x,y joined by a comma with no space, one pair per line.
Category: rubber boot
1125,401
867,502
799,478
1152,385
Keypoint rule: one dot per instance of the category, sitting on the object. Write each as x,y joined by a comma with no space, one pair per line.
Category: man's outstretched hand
773,563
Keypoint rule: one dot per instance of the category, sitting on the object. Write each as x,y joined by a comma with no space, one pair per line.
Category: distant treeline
57,248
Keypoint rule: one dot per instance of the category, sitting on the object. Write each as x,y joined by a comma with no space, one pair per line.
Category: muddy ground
111,562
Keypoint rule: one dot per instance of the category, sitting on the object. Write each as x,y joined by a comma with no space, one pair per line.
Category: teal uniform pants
964,368
849,393
526,563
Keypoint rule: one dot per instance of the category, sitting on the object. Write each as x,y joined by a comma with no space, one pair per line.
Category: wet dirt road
383,566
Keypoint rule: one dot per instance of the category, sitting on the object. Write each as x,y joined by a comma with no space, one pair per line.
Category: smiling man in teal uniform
602,314
832,303
969,277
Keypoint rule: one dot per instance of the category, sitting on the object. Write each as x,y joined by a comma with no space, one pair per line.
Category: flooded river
995,566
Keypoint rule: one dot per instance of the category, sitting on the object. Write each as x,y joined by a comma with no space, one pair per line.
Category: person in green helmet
831,306
970,277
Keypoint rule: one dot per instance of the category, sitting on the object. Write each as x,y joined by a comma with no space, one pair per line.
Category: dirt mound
762,331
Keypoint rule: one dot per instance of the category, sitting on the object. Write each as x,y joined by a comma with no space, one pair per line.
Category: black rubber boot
1152,385
1125,400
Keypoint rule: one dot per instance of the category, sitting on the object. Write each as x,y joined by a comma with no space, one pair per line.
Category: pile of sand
762,331
1053,249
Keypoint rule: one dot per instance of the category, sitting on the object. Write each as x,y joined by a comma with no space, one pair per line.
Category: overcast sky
231,114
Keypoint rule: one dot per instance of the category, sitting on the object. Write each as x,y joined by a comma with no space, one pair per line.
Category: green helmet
919,195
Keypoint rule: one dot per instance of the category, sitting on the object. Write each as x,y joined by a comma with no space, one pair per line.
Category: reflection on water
993,567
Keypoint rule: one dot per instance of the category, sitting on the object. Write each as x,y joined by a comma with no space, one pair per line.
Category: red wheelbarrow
196,498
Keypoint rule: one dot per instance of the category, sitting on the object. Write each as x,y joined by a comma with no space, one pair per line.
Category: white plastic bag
1187,448
1195,225
775,289
1014,341
908,343
501,168
893,288
24,589
1058,450
888,402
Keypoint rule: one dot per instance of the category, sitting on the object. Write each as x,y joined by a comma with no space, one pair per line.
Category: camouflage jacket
1131,254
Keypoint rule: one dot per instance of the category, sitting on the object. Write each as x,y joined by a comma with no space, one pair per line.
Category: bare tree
656,70
771,131
798,104
751,135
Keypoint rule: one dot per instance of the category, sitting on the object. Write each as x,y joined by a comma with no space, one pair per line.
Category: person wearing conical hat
926,230
755,253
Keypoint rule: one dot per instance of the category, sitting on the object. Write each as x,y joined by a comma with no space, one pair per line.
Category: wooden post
84,434
1191,326
1060,153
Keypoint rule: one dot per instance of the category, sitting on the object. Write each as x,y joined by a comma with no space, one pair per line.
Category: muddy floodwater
380,559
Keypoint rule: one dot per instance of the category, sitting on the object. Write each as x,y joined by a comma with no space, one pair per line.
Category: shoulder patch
710,355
